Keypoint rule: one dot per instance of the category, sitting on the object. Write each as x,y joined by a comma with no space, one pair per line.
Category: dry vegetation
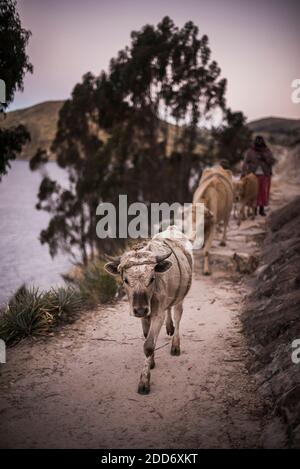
32,312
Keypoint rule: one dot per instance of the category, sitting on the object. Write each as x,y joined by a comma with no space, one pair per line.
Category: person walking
259,160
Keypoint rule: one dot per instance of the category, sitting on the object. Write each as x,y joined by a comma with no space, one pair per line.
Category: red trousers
264,185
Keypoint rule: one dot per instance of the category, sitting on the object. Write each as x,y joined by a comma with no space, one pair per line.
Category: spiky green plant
33,312
64,303
96,285
26,314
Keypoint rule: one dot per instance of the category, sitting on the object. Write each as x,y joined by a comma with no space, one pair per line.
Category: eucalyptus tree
134,130
14,63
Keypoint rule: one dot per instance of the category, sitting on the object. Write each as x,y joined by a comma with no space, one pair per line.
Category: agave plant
64,303
26,314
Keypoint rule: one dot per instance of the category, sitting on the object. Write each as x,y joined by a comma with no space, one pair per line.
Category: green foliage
32,312
233,138
96,285
26,314
113,137
64,303
14,63
11,142
38,159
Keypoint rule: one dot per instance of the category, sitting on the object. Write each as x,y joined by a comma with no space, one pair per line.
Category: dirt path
78,387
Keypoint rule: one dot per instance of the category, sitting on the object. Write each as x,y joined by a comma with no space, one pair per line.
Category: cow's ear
112,268
163,266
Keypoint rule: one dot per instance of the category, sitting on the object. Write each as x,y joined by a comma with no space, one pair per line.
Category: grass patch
64,303
26,314
96,285
33,312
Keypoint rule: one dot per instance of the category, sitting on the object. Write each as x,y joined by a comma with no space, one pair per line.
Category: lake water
22,257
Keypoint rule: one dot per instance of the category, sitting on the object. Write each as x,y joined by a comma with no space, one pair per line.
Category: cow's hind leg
149,346
242,213
169,323
223,240
253,209
175,349
206,249
235,211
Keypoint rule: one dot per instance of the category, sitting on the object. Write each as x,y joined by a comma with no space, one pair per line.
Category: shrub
26,314
64,303
96,285
32,312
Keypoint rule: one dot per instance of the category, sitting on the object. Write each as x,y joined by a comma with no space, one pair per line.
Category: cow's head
139,271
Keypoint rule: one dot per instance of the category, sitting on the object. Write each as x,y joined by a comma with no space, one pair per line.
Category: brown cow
246,192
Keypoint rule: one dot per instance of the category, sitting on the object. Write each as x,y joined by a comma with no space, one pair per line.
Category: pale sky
256,44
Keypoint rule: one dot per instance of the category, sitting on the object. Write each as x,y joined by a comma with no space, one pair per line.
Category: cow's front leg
175,349
149,346
146,327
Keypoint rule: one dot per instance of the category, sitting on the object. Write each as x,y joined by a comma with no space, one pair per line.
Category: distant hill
41,121
280,130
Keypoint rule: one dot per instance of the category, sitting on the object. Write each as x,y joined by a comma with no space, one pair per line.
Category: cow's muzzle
140,312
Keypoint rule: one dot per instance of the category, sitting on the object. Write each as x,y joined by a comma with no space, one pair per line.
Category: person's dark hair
225,164
259,142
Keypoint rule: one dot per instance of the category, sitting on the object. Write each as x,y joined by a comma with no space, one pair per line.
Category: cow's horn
115,260
163,257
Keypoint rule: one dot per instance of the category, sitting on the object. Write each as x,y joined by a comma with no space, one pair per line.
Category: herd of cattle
157,275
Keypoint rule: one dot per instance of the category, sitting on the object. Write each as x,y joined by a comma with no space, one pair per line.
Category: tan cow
216,192
157,276
246,192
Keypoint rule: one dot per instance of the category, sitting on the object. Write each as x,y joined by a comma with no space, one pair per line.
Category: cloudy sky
256,44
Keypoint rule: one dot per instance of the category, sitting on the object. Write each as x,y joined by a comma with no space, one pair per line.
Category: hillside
40,120
271,324
278,129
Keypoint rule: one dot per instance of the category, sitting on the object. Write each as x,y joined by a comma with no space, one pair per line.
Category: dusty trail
78,387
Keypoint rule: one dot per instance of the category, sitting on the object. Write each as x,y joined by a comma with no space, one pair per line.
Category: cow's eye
152,280
126,280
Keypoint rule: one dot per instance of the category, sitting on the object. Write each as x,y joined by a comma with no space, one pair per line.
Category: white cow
157,276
